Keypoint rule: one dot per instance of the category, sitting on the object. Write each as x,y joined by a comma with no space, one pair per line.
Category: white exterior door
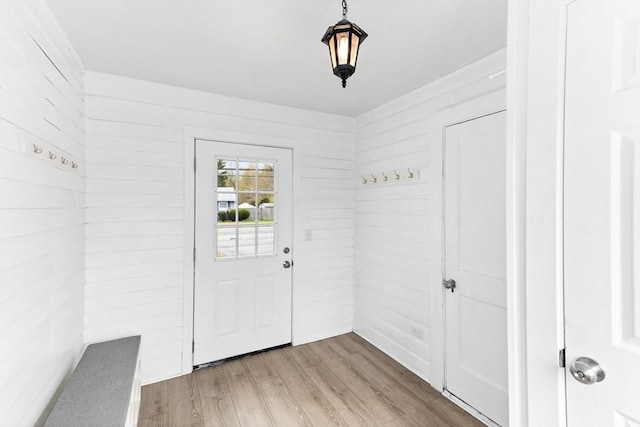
602,211
475,245
243,224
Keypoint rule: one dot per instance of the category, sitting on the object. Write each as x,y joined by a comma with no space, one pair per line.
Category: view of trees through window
246,206
250,176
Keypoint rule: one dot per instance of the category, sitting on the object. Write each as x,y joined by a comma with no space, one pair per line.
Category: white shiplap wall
398,225
135,211
41,212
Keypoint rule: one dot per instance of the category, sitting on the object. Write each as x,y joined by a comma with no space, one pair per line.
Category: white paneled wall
101,251
41,212
398,225
135,198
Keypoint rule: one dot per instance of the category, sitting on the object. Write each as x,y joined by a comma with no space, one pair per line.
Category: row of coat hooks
395,175
40,150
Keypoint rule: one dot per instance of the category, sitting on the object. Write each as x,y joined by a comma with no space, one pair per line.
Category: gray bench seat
100,389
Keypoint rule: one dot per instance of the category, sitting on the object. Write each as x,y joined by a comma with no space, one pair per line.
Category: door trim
470,409
536,45
489,103
190,136
443,259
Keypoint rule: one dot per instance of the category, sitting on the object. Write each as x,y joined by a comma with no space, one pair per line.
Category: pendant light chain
344,9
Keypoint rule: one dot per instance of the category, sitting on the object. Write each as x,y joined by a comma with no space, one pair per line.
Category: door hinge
194,164
194,254
193,346
561,360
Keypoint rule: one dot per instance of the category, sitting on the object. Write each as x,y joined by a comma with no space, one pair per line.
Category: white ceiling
270,50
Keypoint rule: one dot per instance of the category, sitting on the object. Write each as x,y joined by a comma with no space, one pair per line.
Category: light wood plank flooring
342,381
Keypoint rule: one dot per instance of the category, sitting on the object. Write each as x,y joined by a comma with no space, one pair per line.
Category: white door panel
475,257
602,210
242,292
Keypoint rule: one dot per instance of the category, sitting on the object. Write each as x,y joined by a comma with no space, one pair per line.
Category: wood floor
342,381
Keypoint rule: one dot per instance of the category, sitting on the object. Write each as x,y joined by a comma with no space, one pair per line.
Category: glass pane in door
245,224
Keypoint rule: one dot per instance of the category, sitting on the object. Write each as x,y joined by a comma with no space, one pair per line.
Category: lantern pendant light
344,40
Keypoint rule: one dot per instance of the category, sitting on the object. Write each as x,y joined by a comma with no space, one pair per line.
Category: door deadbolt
587,370
286,250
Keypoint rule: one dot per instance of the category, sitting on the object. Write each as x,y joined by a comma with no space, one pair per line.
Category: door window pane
265,176
246,240
246,214
246,175
226,173
266,207
246,198
266,241
226,240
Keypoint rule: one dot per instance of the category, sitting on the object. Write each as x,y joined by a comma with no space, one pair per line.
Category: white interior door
602,210
475,257
242,289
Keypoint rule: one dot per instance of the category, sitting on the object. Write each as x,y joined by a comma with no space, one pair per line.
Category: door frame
473,411
483,105
191,134
536,47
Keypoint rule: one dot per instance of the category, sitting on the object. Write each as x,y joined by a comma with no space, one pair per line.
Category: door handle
587,370
449,284
287,264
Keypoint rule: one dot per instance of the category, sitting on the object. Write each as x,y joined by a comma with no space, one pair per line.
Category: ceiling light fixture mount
344,40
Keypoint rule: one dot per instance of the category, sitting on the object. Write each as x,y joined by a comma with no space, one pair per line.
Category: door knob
449,284
286,264
586,370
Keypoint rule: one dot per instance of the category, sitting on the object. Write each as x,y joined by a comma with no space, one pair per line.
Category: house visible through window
246,200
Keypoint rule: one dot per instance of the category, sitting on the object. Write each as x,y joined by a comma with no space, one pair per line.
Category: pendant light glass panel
355,43
332,51
343,48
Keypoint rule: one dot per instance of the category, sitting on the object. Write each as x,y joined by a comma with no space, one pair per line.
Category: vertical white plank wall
41,212
398,224
135,211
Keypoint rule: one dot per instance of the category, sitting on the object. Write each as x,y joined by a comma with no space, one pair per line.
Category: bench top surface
99,389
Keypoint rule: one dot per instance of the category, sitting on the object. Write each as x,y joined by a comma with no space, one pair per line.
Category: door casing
208,347
536,45
490,103
446,392
191,134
